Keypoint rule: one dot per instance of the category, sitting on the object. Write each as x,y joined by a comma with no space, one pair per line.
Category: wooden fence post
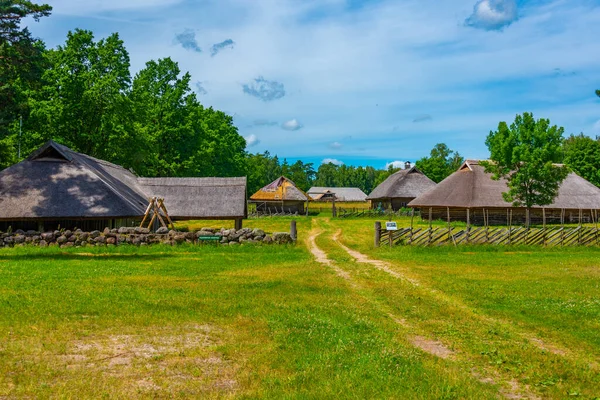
527,222
562,227
596,224
579,232
430,228
448,218
293,230
486,222
377,233
544,224
468,223
412,216
509,211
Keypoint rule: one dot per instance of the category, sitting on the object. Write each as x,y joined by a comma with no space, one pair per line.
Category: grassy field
273,322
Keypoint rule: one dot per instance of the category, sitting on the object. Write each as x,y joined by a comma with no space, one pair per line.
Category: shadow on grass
84,256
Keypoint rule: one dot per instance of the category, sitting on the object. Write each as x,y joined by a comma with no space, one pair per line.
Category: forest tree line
82,95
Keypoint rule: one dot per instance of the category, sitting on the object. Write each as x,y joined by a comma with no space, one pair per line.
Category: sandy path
512,389
321,256
380,265
435,348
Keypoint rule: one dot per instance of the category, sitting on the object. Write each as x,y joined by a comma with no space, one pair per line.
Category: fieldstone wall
141,237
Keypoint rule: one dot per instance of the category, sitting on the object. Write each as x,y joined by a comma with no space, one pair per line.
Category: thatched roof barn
472,188
57,186
281,195
400,188
346,194
199,198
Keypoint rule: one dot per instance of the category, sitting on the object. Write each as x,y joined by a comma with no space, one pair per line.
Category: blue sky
365,82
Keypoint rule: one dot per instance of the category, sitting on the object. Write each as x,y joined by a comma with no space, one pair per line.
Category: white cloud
252,140
187,40
291,125
332,161
395,164
335,145
264,89
346,81
493,14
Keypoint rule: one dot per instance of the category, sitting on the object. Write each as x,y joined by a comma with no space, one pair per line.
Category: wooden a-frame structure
157,209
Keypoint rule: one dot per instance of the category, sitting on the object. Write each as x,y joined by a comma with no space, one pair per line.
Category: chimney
407,165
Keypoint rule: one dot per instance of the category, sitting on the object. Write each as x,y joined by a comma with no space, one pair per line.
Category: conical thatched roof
471,187
55,182
281,189
340,193
405,183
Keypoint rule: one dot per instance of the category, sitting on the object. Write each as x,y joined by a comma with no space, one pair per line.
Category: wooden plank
146,213
161,206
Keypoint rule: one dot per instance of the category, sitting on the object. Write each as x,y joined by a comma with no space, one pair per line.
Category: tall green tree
301,174
21,66
182,137
84,102
364,178
441,163
525,154
582,155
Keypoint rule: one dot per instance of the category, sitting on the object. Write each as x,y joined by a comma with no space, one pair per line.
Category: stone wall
141,237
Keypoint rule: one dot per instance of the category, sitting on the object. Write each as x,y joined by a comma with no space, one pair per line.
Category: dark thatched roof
471,187
199,197
55,182
281,189
405,183
341,193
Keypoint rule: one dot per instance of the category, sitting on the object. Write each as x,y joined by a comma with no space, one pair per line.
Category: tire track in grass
429,346
380,265
321,256
511,390
383,266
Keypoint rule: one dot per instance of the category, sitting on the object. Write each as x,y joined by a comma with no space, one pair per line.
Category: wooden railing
439,236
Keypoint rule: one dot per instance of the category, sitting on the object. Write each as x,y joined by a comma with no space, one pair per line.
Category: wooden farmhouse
471,195
281,196
56,186
345,194
400,188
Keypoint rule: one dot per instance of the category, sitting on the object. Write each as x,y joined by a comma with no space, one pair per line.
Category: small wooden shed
281,196
345,194
400,188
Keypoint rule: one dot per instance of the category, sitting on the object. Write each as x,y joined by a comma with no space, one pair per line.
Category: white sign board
391,226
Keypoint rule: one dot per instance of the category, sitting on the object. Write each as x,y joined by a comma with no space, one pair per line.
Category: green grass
270,322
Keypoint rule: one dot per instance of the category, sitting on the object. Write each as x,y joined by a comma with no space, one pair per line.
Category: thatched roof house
472,188
347,194
281,195
199,198
57,186
400,188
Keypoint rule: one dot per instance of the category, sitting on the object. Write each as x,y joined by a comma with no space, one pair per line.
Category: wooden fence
438,236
